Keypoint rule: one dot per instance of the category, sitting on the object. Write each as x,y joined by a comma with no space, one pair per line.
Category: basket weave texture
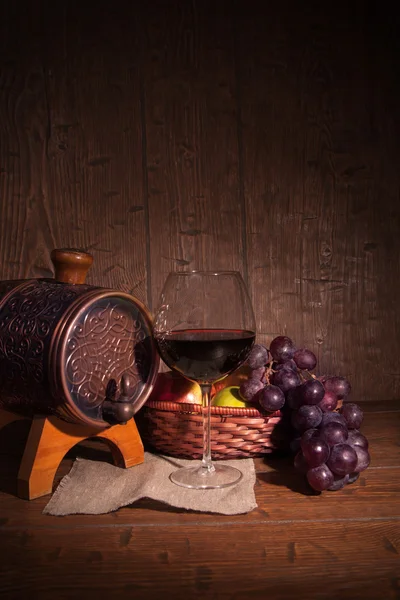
176,429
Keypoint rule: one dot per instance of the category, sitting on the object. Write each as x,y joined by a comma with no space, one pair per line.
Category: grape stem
269,371
305,375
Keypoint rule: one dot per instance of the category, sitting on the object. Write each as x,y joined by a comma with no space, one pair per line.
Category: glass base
199,478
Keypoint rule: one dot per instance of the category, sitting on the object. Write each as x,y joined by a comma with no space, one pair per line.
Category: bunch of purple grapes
329,448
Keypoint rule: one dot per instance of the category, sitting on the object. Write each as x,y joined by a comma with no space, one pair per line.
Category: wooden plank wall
257,136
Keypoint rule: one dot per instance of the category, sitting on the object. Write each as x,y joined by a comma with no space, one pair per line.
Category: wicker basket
176,429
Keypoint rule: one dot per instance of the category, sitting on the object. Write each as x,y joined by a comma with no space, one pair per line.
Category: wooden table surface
342,544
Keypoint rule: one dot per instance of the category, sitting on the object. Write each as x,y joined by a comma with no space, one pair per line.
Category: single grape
334,433
329,402
249,389
342,460
353,477
356,438
305,359
287,365
363,459
339,483
271,398
353,415
306,417
320,478
311,391
300,463
308,434
282,348
258,356
286,379
328,417
258,373
316,451
338,385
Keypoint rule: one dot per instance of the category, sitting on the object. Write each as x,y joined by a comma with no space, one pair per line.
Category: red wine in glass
205,355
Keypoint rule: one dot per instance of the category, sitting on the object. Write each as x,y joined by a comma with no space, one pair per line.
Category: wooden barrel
65,347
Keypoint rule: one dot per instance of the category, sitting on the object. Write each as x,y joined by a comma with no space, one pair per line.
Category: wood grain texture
342,544
73,112
27,233
317,141
281,496
240,563
272,146
262,137
191,130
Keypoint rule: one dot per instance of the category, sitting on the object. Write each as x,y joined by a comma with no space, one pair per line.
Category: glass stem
206,463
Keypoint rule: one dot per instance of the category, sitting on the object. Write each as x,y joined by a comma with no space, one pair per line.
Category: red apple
173,387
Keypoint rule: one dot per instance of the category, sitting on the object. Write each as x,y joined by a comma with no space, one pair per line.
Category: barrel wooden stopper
71,265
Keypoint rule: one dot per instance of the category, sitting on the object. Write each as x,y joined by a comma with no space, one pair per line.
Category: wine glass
204,329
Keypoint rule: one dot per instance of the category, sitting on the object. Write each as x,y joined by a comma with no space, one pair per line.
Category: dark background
232,134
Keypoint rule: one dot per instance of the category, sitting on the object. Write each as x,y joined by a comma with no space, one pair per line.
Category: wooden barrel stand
51,438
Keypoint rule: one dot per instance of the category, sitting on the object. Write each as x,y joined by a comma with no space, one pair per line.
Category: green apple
229,396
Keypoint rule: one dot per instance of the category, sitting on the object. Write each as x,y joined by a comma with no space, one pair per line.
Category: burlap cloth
93,487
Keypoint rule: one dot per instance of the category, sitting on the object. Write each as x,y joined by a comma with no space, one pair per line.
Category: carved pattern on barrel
109,339
27,319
